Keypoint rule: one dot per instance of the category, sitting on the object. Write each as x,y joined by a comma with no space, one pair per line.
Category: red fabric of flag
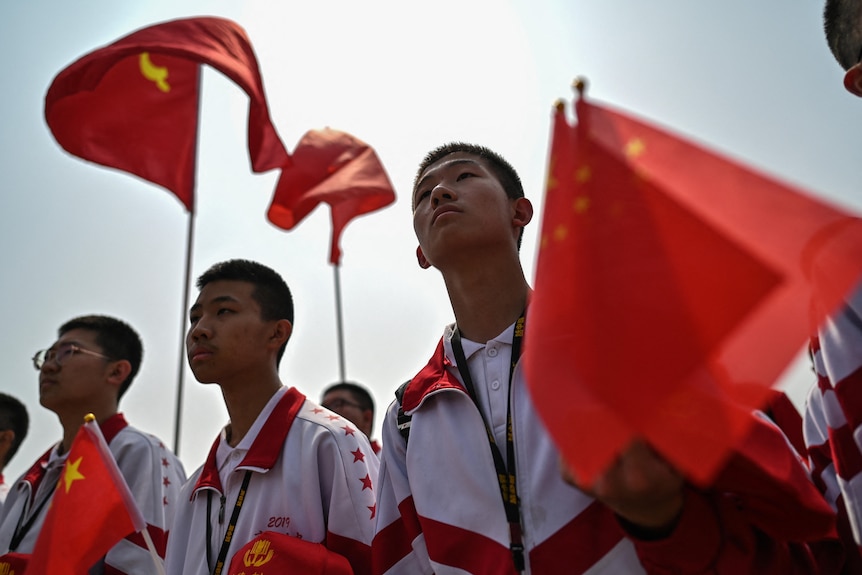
673,286
133,105
92,509
333,167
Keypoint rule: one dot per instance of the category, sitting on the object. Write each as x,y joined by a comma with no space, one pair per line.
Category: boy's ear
523,212
282,331
423,262
853,80
120,370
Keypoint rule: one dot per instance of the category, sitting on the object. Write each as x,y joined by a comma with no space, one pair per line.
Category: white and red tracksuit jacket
440,509
314,476
833,422
153,473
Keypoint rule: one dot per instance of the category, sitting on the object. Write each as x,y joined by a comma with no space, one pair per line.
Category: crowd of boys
468,479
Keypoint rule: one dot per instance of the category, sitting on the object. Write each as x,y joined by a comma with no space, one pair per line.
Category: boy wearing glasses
87,370
354,403
833,414
285,480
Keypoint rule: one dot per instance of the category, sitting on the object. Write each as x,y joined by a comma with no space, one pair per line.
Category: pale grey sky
754,80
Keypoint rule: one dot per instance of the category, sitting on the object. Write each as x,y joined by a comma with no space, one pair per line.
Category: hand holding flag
672,288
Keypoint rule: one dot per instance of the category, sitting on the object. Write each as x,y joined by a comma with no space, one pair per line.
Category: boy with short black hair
14,422
87,370
833,411
476,487
283,471
353,402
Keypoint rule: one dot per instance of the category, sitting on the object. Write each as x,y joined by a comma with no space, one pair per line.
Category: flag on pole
92,509
673,286
133,105
333,167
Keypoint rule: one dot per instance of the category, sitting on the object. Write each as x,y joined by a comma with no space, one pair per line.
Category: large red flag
333,167
133,105
673,286
92,509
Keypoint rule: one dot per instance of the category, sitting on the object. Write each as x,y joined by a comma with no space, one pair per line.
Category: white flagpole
153,553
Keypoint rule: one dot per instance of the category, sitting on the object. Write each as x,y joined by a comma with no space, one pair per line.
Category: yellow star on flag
71,473
635,147
583,174
560,233
582,204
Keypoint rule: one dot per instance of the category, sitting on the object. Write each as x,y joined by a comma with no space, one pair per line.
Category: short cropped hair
361,395
502,170
116,338
13,415
842,22
270,290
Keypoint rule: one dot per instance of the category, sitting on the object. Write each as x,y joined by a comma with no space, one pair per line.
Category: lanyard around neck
22,530
228,535
506,476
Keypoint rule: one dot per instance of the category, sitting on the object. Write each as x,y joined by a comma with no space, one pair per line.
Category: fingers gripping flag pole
93,496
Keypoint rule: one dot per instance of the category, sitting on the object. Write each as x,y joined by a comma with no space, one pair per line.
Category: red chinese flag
673,287
133,105
92,509
336,168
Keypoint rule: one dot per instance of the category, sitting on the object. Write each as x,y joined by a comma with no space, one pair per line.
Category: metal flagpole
178,415
336,270
182,356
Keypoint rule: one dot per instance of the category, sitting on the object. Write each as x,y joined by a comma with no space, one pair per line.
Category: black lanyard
22,530
505,476
219,566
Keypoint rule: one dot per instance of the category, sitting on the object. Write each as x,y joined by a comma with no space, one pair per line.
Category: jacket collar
435,376
110,428
266,447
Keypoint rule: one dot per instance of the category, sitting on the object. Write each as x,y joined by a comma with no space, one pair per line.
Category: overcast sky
754,80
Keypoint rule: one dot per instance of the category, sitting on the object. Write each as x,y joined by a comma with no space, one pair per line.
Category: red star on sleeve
366,482
348,430
164,462
166,481
332,417
373,509
317,410
358,455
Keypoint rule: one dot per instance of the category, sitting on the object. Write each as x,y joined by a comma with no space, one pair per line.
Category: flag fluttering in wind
91,510
133,105
673,286
333,167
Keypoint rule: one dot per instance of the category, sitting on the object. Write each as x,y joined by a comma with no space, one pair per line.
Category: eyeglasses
337,404
61,354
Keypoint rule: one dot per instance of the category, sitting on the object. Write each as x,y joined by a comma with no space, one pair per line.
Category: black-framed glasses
61,353
338,403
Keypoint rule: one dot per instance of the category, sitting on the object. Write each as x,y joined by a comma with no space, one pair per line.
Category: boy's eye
464,175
